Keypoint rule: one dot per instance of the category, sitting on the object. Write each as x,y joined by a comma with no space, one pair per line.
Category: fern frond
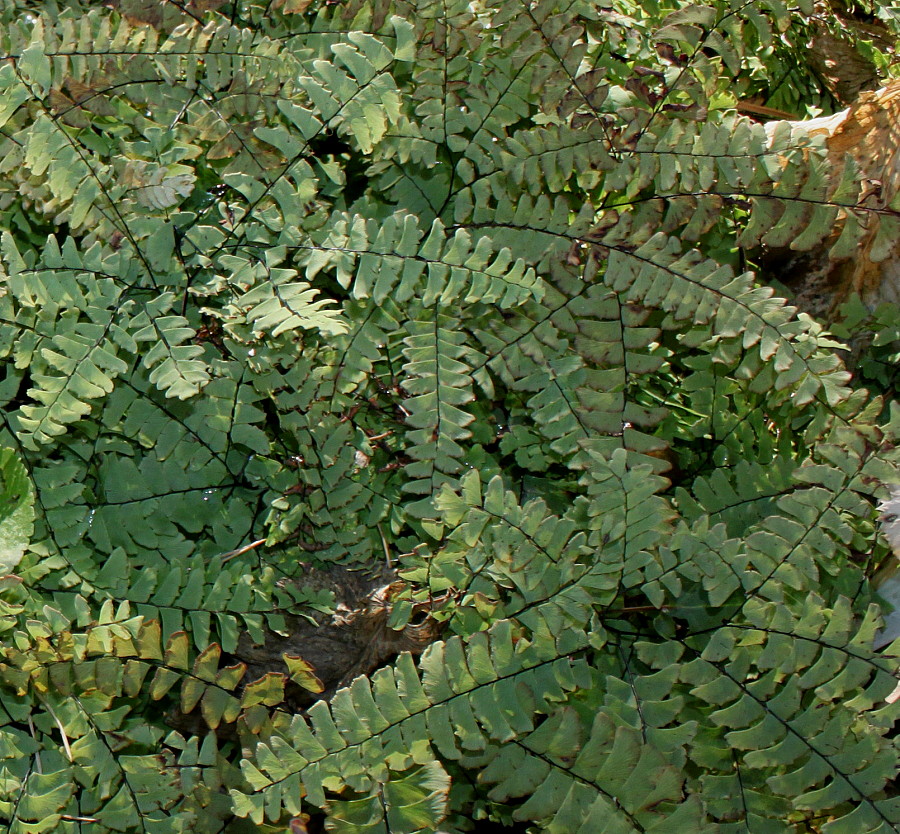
175,367
395,258
803,744
658,274
438,384
400,701
279,305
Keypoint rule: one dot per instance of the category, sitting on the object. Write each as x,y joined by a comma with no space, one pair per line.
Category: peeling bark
868,133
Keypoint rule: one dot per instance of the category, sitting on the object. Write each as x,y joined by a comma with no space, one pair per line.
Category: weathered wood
868,133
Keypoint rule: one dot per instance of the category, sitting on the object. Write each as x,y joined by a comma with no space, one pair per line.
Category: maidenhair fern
459,294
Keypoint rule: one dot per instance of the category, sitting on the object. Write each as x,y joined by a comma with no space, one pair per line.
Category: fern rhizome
396,438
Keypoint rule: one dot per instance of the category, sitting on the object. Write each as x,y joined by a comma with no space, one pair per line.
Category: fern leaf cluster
463,293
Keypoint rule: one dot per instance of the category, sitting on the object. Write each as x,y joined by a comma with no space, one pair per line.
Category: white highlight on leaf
887,580
890,519
158,188
16,511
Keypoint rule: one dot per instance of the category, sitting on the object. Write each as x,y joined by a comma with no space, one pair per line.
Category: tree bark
866,134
